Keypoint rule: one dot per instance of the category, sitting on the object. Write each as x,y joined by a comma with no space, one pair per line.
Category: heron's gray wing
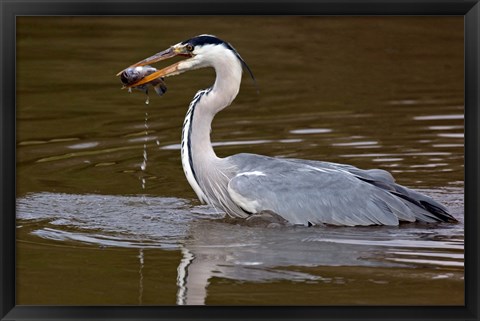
379,176
424,208
312,193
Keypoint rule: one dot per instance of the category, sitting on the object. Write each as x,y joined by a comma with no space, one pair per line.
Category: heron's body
300,191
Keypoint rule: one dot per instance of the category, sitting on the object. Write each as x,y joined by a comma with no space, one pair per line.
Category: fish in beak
131,76
175,69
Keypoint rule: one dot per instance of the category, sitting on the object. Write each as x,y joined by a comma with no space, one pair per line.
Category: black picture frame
11,9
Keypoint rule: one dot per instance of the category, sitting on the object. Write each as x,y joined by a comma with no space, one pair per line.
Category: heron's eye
189,48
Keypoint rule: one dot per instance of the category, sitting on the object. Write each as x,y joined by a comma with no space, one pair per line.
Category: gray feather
304,191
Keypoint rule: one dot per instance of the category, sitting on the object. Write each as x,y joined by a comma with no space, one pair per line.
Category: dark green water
374,92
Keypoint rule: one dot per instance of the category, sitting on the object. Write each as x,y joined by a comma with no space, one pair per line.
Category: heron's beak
165,72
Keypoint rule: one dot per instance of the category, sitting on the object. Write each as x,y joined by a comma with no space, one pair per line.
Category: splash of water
143,166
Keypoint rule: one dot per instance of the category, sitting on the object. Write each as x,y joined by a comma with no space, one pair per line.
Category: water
212,248
143,167
376,92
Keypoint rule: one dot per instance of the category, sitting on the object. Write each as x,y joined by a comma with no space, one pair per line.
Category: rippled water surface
106,216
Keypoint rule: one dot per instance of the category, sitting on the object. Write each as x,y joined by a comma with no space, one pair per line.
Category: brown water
374,92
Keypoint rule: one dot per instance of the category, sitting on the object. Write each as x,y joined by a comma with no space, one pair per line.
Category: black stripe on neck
195,101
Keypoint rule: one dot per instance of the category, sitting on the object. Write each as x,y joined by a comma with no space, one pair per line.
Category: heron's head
200,51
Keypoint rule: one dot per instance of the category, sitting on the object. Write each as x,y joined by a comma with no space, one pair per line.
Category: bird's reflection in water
197,293
213,248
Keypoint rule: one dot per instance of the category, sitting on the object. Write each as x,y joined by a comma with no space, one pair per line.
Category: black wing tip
441,214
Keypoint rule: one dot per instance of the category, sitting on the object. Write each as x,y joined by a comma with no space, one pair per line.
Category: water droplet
146,124
143,166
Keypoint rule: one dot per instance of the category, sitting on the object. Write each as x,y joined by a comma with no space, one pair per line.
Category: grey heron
297,191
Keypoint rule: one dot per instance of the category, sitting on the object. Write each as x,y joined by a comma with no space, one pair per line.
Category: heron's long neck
199,160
